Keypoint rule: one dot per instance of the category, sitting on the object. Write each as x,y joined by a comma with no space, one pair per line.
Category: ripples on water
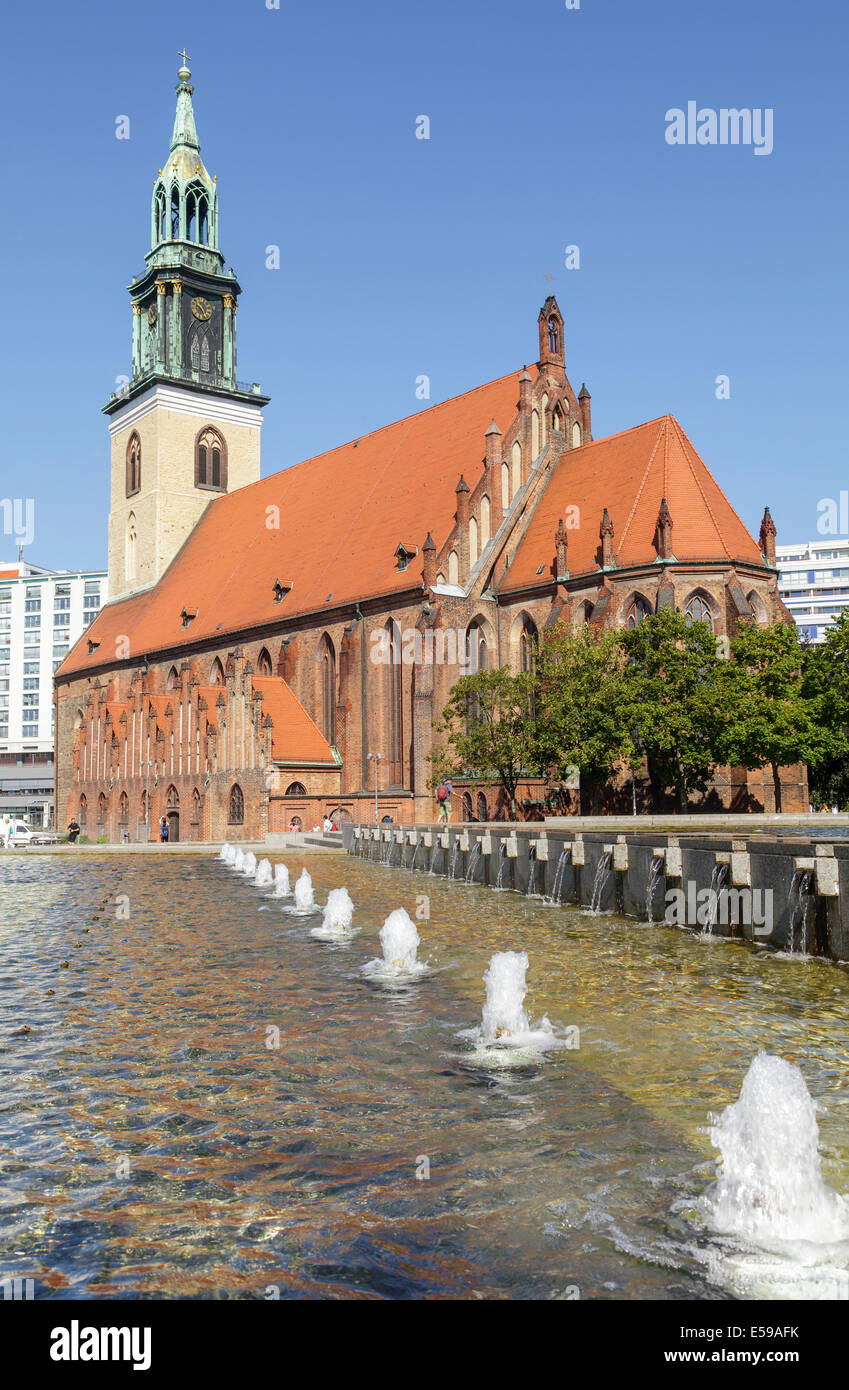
152,1144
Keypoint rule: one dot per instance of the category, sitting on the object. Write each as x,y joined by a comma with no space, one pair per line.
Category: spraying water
415,855
400,942
502,866
654,874
557,886
224,851
798,904
338,916
454,858
304,896
532,877
717,880
602,873
504,1022
770,1195
281,881
249,864
238,862
263,876
474,860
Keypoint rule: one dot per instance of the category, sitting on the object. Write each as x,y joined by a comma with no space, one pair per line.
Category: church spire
185,197
185,131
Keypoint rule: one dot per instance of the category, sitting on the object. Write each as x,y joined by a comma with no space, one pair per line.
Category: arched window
557,420
583,615
175,214
217,675
295,789
394,706
236,806
637,612
482,808
698,611
453,568
130,550
263,663
124,809
473,542
83,812
196,802
467,807
505,487
528,646
159,215
328,689
486,514
553,335
173,679
173,799
476,660
535,434
758,607
101,808
576,436
210,458
133,464
516,462
143,808
543,420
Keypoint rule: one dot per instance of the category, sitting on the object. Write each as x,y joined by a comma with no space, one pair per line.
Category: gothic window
516,463
83,813
124,811
295,789
217,676
133,464
210,457
576,436
528,645
553,335
485,522
473,542
204,353
483,810
328,689
543,420
505,487
467,807
175,214
476,660
101,808
172,679
698,611
236,808
263,663
637,612
535,435
195,806
130,550
394,706
453,568
173,799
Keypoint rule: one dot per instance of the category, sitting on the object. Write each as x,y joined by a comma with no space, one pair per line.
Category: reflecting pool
214,1102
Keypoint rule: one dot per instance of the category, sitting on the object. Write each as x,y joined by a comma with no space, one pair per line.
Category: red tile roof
295,737
630,473
341,516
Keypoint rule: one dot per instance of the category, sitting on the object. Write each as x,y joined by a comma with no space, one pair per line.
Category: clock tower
183,428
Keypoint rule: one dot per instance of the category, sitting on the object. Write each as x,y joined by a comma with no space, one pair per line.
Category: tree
578,709
825,684
776,715
487,728
673,699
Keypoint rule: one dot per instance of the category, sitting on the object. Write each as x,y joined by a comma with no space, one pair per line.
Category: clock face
201,308
151,313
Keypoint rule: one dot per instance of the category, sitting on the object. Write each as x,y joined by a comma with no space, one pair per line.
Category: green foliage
778,714
579,724
674,699
486,729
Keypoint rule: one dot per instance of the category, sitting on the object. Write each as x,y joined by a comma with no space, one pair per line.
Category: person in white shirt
328,825
5,832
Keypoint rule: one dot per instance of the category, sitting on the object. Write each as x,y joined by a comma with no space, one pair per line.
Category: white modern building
813,581
42,613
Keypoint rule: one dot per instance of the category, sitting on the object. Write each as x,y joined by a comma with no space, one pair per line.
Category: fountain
249,864
238,861
798,904
532,876
504,1022
474,860
654,875
281,881
224,851
770,1194
717,880
602,873
454,856
264,876
415,855
304,896
557,886
502,866
338,915
400,941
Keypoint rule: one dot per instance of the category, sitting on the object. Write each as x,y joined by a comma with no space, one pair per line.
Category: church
275,648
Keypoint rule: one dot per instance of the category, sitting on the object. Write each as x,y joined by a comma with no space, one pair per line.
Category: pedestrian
443,800
5,832
327,826
163,830
73,830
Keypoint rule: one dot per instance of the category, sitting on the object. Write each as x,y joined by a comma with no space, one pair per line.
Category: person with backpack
443,800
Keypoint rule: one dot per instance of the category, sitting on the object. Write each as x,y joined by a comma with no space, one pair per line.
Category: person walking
163,830
443,800
5,832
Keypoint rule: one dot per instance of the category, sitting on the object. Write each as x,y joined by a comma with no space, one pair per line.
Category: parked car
21,834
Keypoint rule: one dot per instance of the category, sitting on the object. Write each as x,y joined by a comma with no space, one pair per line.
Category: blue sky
402,256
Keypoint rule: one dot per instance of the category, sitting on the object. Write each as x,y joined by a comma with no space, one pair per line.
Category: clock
151,314
201,308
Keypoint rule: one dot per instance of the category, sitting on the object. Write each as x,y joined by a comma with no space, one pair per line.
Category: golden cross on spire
185,57
549,277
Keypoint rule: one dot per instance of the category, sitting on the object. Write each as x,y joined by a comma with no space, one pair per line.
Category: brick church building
272,645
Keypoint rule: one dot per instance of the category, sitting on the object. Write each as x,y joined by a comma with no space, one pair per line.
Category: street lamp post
377,757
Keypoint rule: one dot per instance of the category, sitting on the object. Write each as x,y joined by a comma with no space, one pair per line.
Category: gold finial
185,57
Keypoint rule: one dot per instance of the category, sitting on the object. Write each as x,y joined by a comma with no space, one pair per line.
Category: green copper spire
185,132
185,199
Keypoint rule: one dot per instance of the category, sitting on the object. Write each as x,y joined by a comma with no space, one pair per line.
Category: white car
20,834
